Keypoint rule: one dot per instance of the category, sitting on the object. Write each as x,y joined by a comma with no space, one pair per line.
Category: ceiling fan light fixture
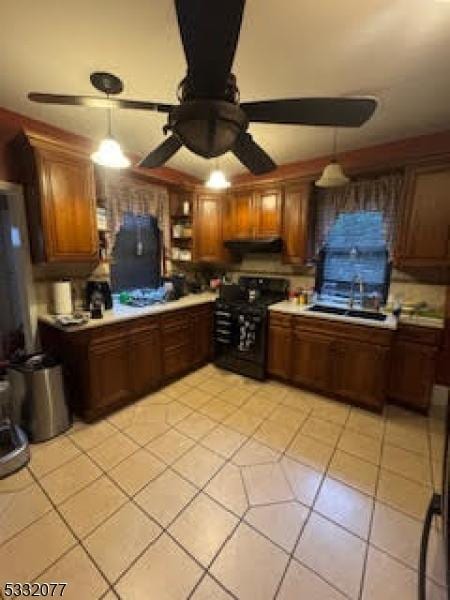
217,180
109,154
332,176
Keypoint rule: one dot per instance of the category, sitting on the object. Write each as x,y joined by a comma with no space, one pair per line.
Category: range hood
247,245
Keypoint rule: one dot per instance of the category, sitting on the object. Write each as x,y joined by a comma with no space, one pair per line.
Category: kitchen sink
348,312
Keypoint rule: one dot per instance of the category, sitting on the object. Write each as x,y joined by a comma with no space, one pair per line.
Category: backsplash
407,286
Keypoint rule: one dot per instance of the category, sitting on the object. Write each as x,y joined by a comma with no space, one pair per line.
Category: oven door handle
434,509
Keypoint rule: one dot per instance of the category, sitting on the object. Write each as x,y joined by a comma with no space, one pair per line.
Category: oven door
251,336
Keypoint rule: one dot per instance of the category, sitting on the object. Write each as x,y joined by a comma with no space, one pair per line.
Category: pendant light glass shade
217,180
332,176
109,154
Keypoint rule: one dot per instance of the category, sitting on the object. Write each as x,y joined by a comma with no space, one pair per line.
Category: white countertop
291,308
434,322
121,312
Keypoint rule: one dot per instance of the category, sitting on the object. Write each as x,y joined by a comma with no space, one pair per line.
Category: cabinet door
295,228
109,372
267,213
67,197
208,233
424,235
360,372
202,320
311,360
279,352
240,221
412,373
145,359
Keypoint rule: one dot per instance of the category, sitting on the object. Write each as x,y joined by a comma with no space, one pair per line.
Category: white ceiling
397,50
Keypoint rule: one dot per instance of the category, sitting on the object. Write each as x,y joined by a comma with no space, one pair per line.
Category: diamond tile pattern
219,487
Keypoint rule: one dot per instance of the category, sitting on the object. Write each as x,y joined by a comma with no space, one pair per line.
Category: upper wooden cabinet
296,220
267,212
424,220
60,194
208,228
253,214
239,216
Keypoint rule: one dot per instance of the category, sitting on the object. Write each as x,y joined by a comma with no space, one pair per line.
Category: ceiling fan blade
162,153
330,112
252,156
209,32
97,102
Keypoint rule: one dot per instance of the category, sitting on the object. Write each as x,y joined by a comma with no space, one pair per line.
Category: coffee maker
96,288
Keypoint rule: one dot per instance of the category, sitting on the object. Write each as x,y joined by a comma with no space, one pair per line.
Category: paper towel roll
62,298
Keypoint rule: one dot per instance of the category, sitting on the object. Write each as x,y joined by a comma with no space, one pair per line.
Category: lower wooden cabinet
145,359
280,347
413,366
108,366
360,372
109,372
334,358
202,335
311,360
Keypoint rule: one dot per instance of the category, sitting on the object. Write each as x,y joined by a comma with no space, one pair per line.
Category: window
136,254
354,257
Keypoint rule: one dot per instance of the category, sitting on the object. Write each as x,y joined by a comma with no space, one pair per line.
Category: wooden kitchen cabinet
359,372
145,357
338,359
240,221
109,373
267,213
253,214
279,346
296,223
413,365
202,330
109,366
208,228
311,360
176,331
424,226
60,200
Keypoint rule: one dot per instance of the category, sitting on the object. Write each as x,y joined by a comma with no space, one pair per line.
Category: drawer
339,329
280,319
107,333
422,335
142,326
177,319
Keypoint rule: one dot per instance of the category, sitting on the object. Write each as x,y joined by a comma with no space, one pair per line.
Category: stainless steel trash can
38,388
14,448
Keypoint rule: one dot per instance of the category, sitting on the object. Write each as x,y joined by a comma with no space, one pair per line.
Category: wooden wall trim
12,123
382,157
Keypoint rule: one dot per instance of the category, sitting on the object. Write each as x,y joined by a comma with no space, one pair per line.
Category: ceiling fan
210,119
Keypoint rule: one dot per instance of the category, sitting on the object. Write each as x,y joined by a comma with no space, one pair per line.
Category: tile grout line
311,510
369,534
247,438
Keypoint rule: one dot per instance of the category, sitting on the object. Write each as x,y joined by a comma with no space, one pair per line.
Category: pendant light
333,174
109,153
217,180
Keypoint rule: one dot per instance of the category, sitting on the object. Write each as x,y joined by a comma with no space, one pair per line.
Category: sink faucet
359,280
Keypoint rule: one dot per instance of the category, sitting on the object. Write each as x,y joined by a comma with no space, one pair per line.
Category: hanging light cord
335,145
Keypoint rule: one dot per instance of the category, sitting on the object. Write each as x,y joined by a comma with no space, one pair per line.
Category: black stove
240,329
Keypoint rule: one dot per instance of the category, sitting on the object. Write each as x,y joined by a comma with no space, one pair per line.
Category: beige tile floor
218,487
